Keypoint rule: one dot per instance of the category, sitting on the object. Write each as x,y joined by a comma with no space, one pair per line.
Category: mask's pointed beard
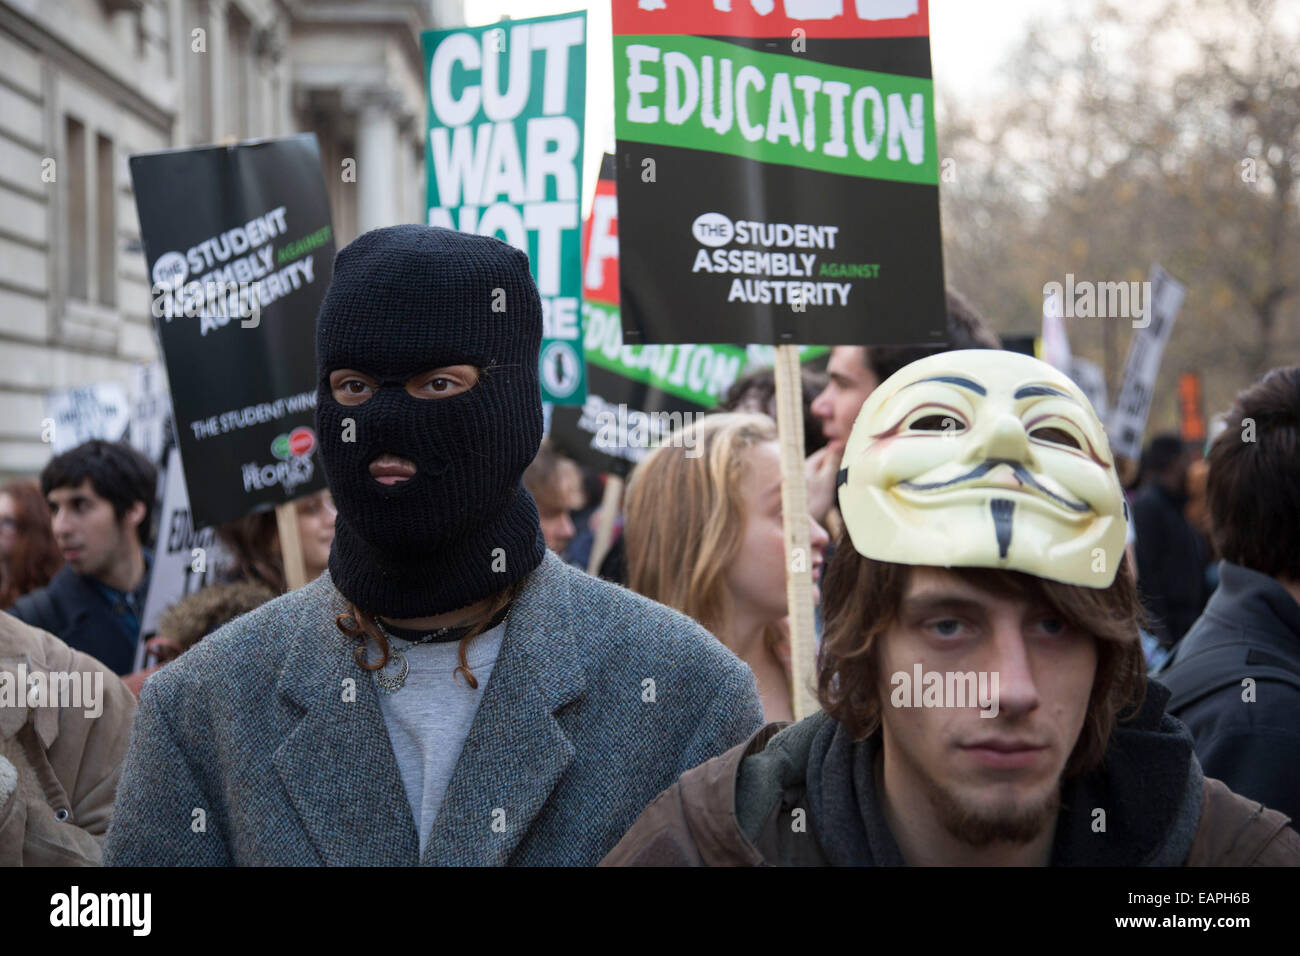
1002,511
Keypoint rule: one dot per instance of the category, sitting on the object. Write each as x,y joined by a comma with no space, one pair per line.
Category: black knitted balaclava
402,301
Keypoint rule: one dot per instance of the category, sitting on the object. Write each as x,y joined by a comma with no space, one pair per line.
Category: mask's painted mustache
982,469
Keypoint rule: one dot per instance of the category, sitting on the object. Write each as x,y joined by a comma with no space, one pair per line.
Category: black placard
240,248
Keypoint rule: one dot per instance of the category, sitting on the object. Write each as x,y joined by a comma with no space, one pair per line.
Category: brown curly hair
863,598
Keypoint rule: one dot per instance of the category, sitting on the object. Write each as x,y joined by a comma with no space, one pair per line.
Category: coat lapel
516,751
337,763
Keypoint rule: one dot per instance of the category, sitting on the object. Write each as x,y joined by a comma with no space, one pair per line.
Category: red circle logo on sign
301,441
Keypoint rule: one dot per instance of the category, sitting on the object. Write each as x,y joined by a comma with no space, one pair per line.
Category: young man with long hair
981,673
448,692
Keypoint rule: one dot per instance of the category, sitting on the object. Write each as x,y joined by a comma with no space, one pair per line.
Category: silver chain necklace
392,676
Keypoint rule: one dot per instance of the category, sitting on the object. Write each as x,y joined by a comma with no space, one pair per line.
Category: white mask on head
984,458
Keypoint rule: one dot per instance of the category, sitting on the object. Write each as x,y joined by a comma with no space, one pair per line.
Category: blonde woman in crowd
704,536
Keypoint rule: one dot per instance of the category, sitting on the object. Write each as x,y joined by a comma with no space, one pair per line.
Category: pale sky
969,42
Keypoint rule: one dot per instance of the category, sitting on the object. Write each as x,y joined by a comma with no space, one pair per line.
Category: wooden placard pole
798,532
605,516
295,568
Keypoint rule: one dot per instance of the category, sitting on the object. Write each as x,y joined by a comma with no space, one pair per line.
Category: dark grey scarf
1149,785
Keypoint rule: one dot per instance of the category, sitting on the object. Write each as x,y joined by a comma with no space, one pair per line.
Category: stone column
282,123
407,203
269,68
377,144
218,50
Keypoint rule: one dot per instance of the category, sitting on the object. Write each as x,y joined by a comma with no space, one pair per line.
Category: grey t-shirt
429,717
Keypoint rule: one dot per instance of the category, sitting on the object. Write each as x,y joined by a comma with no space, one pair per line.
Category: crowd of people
451,687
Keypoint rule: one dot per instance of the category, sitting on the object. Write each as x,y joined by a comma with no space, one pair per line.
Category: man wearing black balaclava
448,692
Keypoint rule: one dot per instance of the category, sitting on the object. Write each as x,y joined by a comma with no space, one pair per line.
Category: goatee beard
1012,823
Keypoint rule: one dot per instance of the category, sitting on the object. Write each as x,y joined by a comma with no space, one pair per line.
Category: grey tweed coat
246,750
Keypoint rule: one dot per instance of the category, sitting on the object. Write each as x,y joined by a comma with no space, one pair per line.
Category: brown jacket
694,823
58,766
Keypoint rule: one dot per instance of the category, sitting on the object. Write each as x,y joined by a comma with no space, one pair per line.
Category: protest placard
504,158
1191,408
150,429
1128,421
76,415
777,173
1090,377
237,281
638,395
185,559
